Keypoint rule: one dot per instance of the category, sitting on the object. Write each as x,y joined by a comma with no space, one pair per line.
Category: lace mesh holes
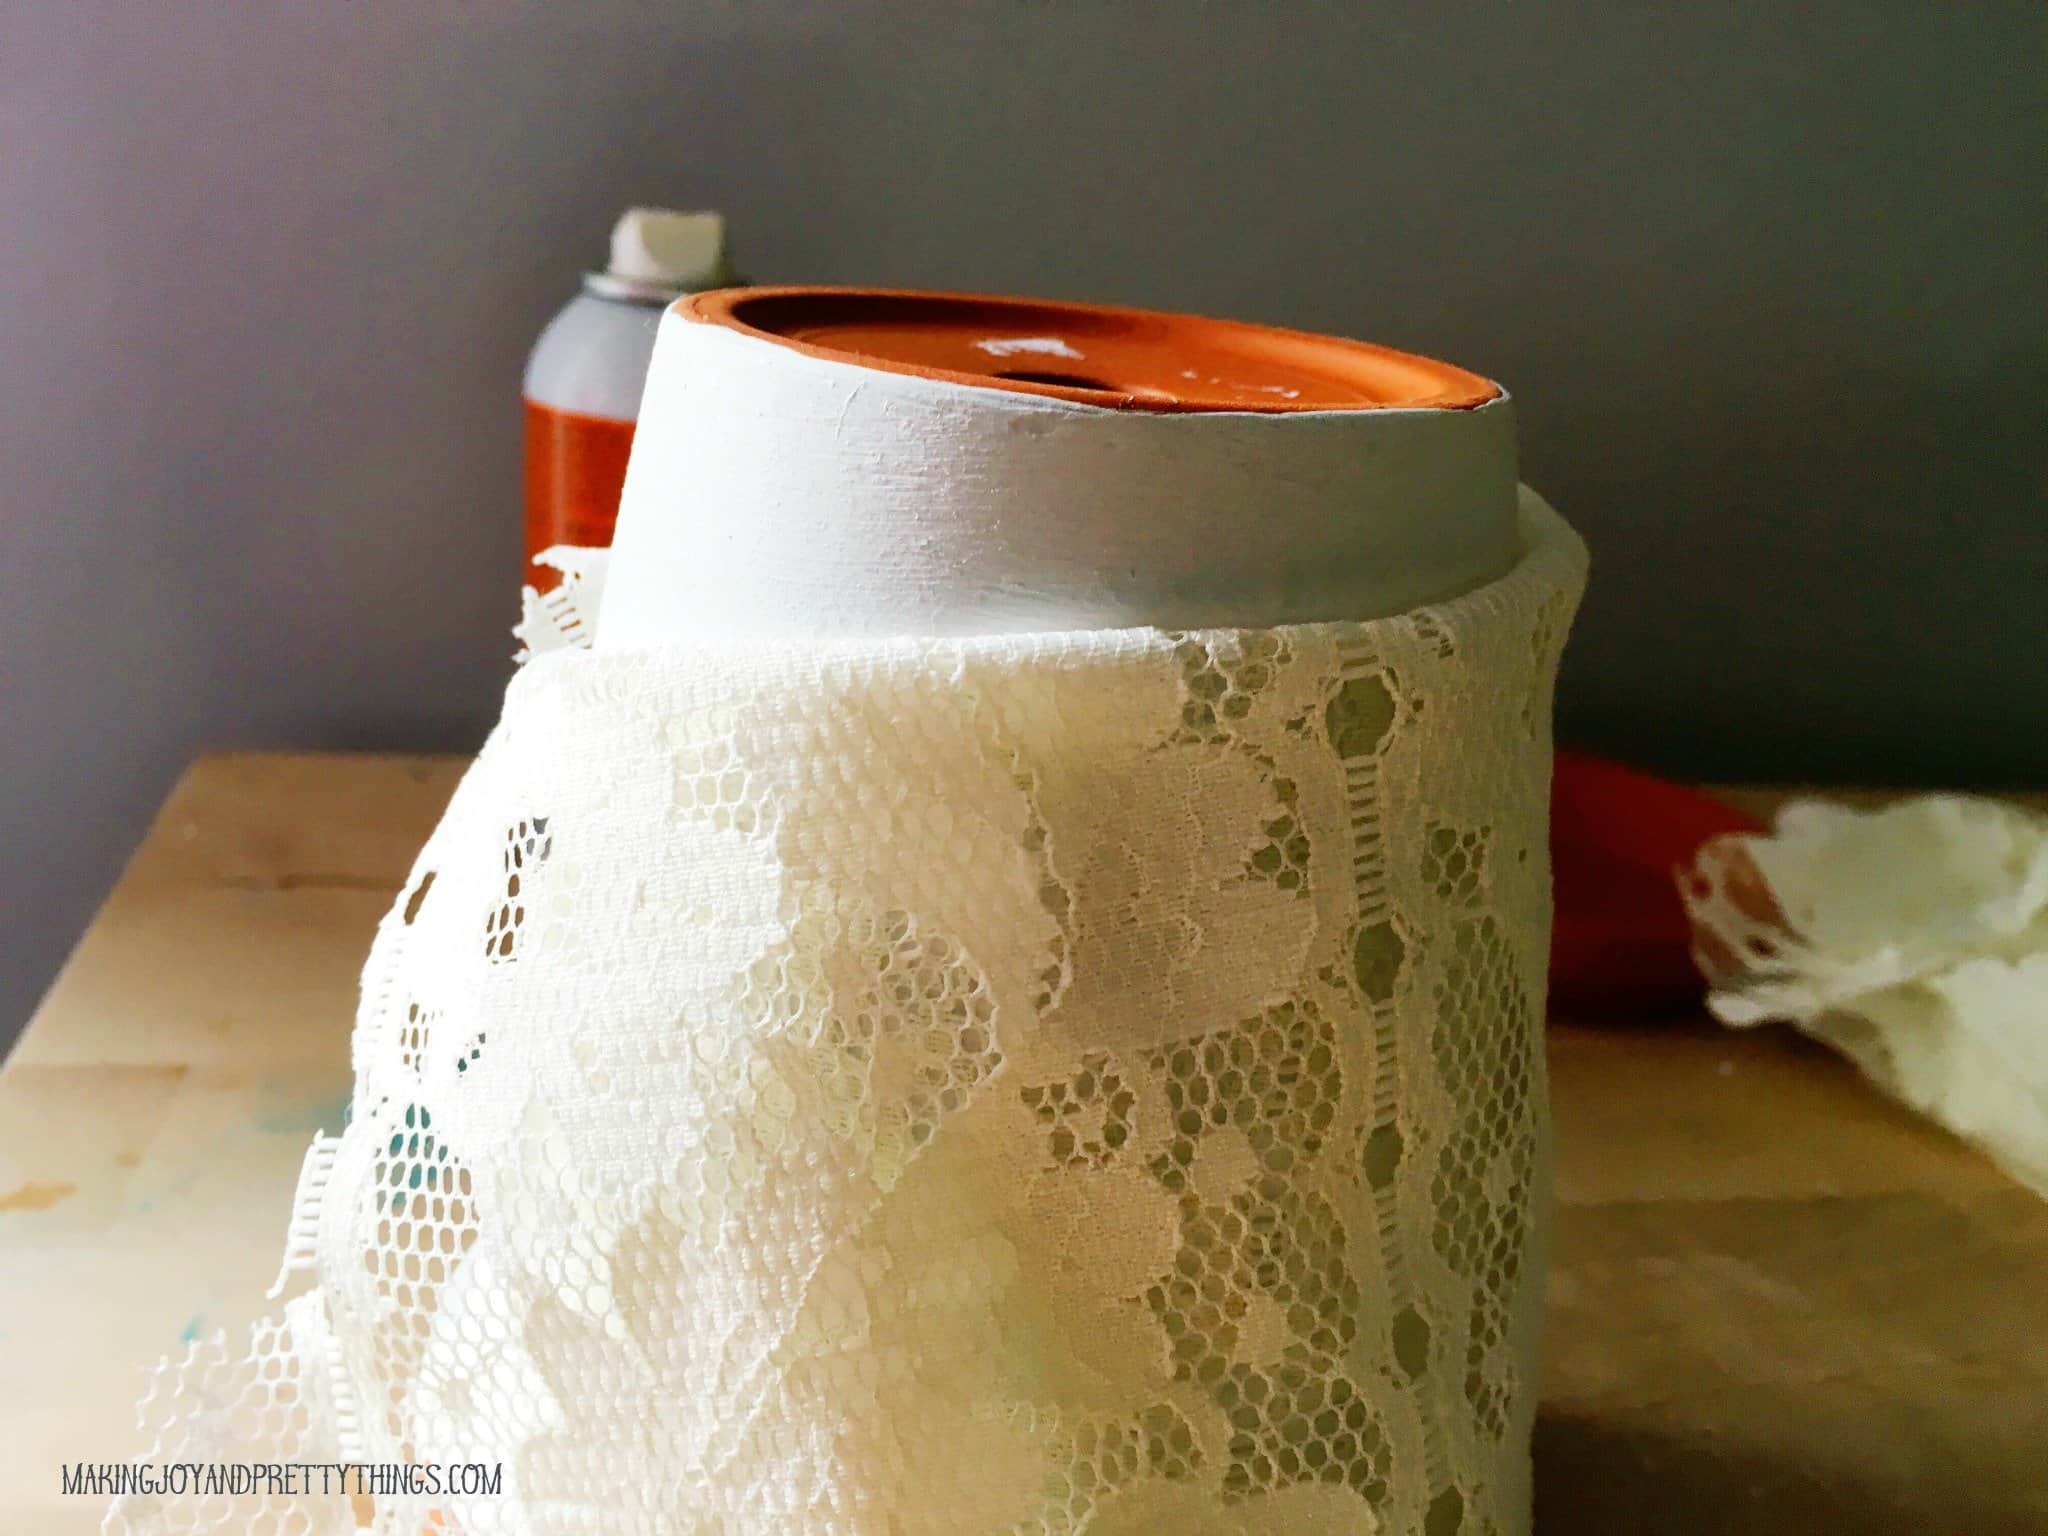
1272,1079
913,1048
759,1312
777,990
414,1036
203,1402
1359,718
475,1383
1053,894
1283,857
932,1004
270,1412
711,785
425,1223
1553,621
1446,1515
1432,631
1219,686
1261,1275
1454,864
1378,951
1099,1456
1220,682
1293,1424
577,1266
1360,715
416,899
1260,1306
1087,1116
527,846
1481,1043
1167,1444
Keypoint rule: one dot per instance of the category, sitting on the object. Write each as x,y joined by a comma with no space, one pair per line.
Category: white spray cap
662,248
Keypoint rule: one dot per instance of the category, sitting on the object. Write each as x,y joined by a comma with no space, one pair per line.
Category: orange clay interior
1092,354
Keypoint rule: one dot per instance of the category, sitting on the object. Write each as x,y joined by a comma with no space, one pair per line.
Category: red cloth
1617,839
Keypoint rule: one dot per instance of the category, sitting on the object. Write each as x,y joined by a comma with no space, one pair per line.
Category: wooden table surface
1777,1303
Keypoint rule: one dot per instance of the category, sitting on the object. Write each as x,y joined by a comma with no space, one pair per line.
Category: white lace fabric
1935,986
1038,1084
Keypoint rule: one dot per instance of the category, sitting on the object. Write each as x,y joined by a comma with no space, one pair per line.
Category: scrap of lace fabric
1913,939
1084,1082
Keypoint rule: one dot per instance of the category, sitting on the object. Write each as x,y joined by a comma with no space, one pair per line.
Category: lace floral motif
1058,1084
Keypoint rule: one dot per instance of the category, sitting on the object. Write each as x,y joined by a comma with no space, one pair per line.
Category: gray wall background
1769,280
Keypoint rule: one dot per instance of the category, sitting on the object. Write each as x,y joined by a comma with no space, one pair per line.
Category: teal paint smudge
328,1114
191,1331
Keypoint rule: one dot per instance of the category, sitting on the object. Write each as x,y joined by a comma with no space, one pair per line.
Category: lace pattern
1052,1084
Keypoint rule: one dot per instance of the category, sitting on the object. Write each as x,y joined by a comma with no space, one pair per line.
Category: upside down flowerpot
1073,1064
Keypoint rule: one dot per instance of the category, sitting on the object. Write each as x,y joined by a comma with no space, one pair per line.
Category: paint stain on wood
36,1197
328,1114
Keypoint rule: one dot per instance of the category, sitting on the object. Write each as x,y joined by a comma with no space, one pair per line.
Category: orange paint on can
583,379
575,469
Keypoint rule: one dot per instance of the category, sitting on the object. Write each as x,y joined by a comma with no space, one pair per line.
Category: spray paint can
585,374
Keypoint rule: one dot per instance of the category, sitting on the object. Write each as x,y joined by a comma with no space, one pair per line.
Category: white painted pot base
777,493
